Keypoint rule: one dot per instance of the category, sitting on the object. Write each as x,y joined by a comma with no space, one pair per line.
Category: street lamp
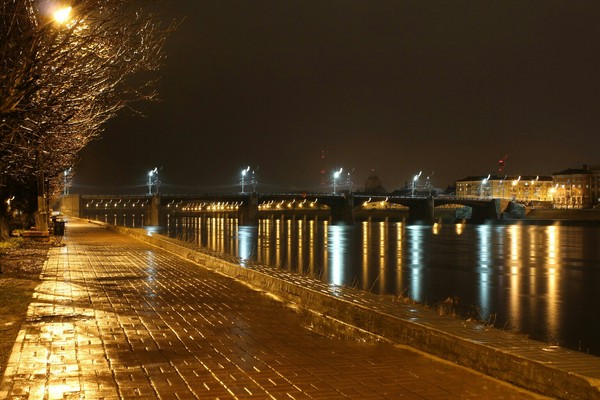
243,180
336,175
483,183
414,183
349,182
66,174
62,15
151,181
428,183
502,184
514,188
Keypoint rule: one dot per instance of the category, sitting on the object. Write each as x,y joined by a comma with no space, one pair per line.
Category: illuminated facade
518,188
577,188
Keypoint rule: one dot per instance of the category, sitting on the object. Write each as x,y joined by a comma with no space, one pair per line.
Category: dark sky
396,86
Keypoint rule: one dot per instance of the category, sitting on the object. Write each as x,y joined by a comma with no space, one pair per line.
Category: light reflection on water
541,280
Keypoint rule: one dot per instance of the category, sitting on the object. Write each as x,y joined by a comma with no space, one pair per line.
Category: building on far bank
373,184
577,188
523,189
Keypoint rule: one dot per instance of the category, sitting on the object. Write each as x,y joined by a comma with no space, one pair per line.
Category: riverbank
513,358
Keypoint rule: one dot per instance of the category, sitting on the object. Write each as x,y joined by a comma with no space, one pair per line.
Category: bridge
156,209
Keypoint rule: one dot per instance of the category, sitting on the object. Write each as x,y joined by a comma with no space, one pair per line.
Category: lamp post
152,181
336,175
429,184
60,16
66,174
483,183
243,179
414,183
514,188
349,182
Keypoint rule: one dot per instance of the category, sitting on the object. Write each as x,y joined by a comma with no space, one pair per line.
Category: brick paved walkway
116,318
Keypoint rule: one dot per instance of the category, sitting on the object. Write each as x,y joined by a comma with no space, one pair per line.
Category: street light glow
62,14
152,182
414,183
336,175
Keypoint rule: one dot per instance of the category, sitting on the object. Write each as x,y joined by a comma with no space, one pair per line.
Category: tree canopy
65,69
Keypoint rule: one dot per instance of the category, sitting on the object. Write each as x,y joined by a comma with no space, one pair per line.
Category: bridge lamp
151,181
336,175
483,183
243,180
414,182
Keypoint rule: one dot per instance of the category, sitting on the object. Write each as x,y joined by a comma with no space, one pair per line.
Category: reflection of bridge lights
416,239
337,249
459,228
485,261
246,236
553,309
552,245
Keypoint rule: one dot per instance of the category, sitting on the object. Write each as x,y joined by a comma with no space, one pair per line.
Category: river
540,280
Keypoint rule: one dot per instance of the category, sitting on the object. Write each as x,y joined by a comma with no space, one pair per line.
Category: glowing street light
243,180
428,184
62,14
336,175
483,183
66,174
248,178
414,183
151,180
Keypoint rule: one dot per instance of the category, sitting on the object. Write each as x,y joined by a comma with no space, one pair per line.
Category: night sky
447,87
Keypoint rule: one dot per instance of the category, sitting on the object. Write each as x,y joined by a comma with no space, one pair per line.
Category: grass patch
11,243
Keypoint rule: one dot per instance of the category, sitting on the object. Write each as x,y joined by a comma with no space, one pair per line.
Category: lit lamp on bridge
414,183
152,180
336,176
483,184
243,179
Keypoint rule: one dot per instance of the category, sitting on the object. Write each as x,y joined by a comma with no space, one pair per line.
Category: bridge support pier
488,211
153,214
343,211
249,211
421,212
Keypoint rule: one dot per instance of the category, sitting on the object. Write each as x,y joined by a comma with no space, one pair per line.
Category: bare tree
62,76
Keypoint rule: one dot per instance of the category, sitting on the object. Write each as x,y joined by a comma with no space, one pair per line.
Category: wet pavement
117,318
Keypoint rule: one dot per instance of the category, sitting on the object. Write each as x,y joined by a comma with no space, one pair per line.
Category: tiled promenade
117,318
